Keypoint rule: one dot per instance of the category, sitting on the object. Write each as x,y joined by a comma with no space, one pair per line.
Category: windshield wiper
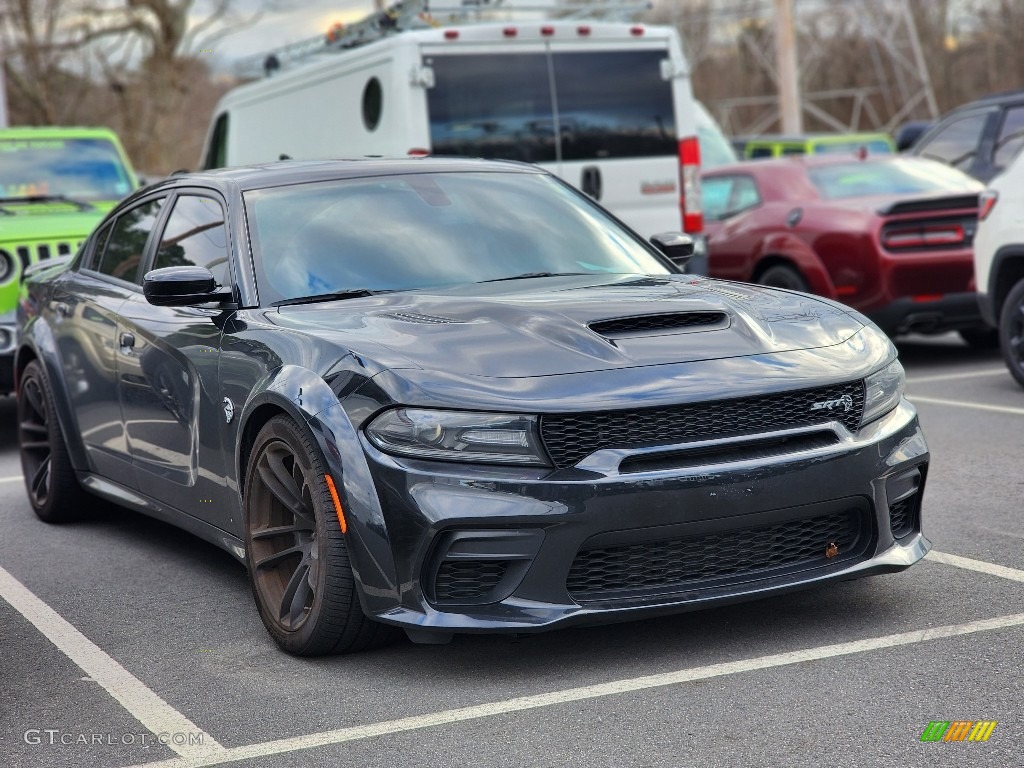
528,275
351,293
80,204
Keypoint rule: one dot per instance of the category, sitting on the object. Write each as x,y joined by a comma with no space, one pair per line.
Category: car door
167,370
84,318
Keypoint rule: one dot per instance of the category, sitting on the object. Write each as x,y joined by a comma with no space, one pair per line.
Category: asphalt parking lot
121,633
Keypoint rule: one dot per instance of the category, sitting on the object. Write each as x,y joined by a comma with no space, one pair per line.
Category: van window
492,105
373,102
610,104
217,154
614,104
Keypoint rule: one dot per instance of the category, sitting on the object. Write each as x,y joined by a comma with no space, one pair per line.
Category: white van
606,106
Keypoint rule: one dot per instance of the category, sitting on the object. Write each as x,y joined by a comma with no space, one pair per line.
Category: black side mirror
182,287
675,245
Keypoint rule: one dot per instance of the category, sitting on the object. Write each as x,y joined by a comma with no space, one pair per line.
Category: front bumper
484,549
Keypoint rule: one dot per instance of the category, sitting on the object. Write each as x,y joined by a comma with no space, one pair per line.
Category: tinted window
756,152
373,102
125,249
897,177
82,169
614,104
1011,137
610,104
423,230
873,146
217,155
957,143
92,258
195,236
492,105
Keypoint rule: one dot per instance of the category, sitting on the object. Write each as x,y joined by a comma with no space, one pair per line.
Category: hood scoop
648,325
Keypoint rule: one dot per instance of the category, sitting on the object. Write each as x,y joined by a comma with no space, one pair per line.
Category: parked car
890,236
980,138
760,147
999,262
56,184
398,409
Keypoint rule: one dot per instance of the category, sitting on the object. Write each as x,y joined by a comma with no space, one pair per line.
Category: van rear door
602,114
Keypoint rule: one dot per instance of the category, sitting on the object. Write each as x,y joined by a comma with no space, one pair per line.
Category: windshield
905,176
79,169
424,230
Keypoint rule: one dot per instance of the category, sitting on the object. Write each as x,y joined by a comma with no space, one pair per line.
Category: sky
288,21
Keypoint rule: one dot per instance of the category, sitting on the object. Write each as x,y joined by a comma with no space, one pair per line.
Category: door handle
127,340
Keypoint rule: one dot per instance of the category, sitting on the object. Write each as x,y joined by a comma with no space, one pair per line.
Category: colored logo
959,730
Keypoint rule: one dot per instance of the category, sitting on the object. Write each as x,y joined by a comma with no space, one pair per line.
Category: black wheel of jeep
298,562
1011,331
53,490
782,276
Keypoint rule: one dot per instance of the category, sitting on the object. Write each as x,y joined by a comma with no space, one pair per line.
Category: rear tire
782,276
298,561
1011,331
980,338
53,489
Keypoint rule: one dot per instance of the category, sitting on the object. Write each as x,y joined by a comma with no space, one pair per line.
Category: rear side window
724,196
195,236
604,105
957,143
127,244
217,154
1011,137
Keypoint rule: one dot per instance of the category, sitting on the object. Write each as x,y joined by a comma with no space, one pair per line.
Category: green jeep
55,186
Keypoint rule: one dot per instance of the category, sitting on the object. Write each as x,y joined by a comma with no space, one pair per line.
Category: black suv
979,138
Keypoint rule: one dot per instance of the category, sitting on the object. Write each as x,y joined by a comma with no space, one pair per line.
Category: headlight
488,438
882,391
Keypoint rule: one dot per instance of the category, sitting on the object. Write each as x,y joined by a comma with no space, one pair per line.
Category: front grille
31,254
462,580
662,322
903,517
571,437
638,570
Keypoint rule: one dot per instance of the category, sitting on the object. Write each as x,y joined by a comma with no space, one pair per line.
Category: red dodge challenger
889,236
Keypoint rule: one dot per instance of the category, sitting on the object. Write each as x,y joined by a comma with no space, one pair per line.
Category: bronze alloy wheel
50,481
298,562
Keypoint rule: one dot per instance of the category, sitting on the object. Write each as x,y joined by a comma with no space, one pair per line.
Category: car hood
49,222
550,326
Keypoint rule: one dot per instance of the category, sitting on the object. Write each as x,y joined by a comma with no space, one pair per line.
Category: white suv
999,262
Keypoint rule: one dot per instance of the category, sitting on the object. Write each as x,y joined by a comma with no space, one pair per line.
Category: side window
725,196
957,143
217,154
1011,138
195,236
92,257
757,152
127,243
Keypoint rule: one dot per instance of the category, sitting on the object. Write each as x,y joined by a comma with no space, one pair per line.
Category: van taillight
689,182
986,203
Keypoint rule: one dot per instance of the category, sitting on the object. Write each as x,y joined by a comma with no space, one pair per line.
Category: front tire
298,561
53,489
1011,331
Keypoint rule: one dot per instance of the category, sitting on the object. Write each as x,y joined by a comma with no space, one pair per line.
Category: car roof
287,172
56,132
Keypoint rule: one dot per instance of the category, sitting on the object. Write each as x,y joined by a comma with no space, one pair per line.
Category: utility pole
785,62
3,94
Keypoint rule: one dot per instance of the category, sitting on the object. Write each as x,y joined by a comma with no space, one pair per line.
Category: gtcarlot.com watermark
54,736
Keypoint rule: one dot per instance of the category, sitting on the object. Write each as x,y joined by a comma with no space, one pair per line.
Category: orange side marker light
337,503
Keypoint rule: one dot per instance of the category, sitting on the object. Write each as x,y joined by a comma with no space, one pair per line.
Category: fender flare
306,397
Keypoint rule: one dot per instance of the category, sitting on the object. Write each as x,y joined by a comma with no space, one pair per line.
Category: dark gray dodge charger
457,396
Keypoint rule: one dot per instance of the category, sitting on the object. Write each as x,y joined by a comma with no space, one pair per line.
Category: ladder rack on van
416,14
